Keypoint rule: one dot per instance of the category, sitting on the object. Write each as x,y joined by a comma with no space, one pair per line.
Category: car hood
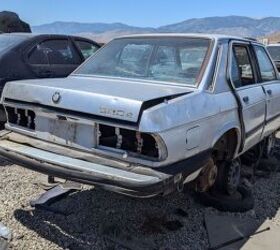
107,97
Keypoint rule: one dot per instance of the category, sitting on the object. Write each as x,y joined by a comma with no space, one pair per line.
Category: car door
86,47
249,92
271,86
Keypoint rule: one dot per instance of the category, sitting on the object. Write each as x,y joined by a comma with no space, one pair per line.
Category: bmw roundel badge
56,97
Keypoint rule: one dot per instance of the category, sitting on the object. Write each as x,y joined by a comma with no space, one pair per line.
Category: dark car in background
31,56
274,50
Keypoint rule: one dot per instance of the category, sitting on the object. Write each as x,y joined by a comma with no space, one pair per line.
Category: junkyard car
148,114
274,50
31,56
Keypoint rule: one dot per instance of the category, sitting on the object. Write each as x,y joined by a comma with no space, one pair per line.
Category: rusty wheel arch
226,146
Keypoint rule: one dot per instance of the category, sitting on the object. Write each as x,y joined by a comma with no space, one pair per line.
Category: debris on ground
266,240
224,229
5,236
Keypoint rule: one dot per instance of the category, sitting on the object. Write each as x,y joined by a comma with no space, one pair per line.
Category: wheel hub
207,177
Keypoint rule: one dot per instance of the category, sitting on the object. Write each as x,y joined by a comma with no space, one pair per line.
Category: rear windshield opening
176,60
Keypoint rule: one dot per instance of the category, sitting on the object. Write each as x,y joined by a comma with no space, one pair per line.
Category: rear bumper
131,180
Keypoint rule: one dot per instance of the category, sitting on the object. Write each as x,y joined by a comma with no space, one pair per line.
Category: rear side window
242,73
274,51
265,65
87,49
54,52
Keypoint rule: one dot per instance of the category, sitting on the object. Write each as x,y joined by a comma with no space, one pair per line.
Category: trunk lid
114,98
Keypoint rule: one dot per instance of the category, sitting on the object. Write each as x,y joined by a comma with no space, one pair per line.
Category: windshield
274,52
7,41
176,60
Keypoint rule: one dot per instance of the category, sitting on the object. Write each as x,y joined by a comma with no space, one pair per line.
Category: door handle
269,92
246,99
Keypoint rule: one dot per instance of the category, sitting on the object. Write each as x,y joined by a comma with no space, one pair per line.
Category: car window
241,67
173,60
54,52
87,49
265,64
274,51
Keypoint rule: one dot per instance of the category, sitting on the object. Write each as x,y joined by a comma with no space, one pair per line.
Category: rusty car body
147,114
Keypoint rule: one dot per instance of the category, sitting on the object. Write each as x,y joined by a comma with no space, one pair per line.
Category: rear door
249,92
271,86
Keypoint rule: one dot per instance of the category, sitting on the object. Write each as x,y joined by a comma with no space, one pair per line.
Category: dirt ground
96,219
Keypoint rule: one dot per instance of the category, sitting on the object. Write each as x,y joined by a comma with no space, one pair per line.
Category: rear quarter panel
192,123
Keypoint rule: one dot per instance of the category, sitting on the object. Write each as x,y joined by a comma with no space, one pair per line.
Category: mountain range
232,25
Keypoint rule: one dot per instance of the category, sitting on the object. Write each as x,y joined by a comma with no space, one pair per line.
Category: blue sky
142,13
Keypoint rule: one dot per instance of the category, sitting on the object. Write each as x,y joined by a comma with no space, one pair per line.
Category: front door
271,86
250,94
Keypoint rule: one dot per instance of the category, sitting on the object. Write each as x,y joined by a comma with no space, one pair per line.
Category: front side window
54,52
87,49
265,65
174,60
241,66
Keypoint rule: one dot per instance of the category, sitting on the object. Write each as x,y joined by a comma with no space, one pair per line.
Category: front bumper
58,161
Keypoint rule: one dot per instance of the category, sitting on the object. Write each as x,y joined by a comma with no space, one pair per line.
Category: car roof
274,45
189,35
34,35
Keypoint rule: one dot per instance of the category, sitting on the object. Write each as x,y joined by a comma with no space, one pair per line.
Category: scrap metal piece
5,236
227,232
227,243
48,182
5,232
55,194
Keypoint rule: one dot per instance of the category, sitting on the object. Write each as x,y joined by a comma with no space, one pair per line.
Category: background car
31,56
274,50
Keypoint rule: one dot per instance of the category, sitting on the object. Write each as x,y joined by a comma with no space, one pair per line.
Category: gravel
97,219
